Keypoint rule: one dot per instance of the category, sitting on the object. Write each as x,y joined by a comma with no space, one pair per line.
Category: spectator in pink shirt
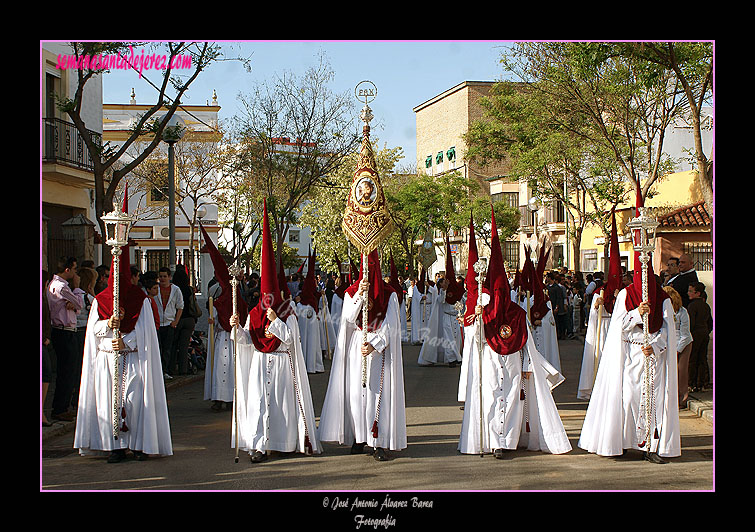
65,299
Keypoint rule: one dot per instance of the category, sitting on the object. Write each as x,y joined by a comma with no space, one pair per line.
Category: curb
62,427
701,407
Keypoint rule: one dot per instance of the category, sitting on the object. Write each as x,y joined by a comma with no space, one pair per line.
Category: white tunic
309,328
143,390
349,409
443,342
505,414
595,339
218,377
327,329
402,320
421,313
545,335
615,419
336,304
274,401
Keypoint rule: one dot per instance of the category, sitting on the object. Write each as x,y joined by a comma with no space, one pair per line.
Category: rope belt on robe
122,378
307,442
380,397
523,395
648,391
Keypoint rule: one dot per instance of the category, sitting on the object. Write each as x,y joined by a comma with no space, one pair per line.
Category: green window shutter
429,161
451,153
439,157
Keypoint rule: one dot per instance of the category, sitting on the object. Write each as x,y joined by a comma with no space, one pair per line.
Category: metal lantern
117,227
645,225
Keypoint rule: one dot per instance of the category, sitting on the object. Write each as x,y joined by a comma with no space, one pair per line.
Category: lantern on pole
117,227
643,241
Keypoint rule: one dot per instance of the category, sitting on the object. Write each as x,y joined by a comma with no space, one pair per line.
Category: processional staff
480,267
644,243
235,271
117,226
596,354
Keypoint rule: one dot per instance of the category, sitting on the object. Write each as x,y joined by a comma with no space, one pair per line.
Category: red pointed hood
223,304
420,284
656,294
354,275
504,321
455,290
270,296
341,288
285,292
615,279
395,282
379,293
539,307
528,271
309,294
471,279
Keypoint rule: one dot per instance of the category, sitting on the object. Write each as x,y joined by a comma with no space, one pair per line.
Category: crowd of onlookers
67,298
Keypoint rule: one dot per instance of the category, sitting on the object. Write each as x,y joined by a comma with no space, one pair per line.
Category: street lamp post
534,205
172,133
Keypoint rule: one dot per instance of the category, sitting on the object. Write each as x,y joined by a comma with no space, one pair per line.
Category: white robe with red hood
350,409
274,401
614,420
504,413
144,394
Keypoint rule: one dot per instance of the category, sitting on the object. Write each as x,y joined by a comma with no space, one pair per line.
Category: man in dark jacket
700,325
687,276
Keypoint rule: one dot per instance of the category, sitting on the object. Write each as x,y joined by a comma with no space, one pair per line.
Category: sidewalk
62,427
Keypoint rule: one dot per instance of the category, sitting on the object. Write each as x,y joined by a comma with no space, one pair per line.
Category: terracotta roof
687,216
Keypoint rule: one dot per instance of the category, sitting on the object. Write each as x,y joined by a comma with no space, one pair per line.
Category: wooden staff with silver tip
211,343
235,270
480,267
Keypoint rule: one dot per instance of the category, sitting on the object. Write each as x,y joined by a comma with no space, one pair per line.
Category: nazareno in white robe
614,420
336,304
327,328
505,414
402,320
349,409
274,401
144,390
309,330
443,342
218,380
419,325
545,335
594,343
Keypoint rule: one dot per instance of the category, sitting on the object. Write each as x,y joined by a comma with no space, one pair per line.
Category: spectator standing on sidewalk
700,325
46,346
170,306
65,299
683,344
179,360
87,281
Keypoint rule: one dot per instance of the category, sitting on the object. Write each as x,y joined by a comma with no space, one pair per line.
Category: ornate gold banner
366,222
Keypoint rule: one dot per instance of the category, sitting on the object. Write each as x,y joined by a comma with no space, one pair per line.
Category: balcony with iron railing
63,143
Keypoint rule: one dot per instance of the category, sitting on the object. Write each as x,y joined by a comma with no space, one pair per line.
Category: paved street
204,460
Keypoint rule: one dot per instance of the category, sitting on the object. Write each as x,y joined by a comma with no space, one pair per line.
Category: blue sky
406,73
